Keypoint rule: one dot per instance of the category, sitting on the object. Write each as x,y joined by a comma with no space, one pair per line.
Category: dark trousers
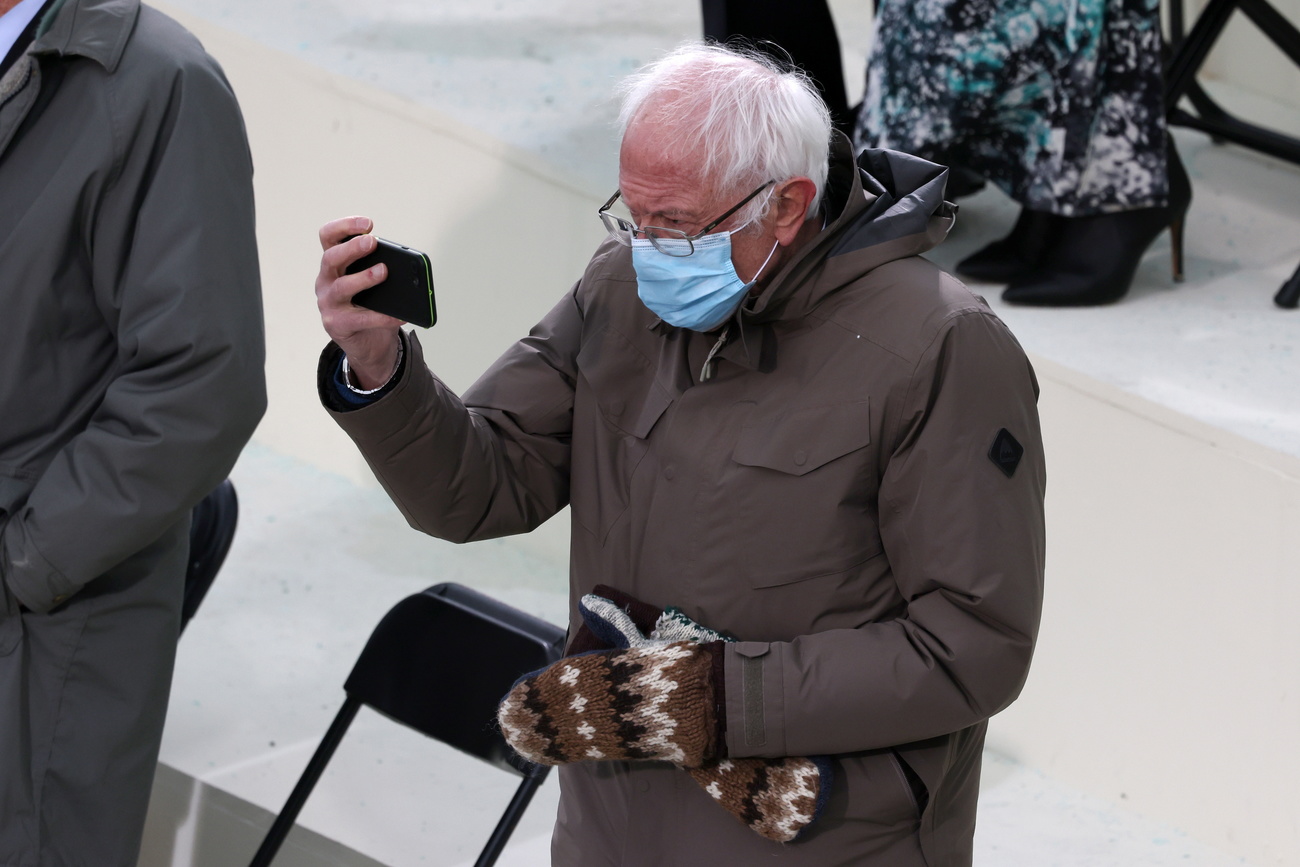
804,29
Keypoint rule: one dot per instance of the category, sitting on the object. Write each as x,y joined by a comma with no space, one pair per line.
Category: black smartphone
407,292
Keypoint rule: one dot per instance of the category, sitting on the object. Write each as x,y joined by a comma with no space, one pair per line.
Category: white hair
750,119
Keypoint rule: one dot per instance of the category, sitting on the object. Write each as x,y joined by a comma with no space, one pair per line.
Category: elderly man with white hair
806,478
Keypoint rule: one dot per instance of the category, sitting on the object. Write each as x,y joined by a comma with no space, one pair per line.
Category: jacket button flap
752,649
622,379
801,440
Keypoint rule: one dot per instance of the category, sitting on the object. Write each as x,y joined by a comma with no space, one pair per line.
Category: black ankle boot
1016,255
1092,259
962,183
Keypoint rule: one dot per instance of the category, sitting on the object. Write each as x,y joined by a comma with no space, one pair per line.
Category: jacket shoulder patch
1006,452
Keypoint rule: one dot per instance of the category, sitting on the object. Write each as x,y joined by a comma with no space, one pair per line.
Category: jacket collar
94,29
885,205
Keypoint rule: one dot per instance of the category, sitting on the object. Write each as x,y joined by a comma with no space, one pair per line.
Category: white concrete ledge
192,824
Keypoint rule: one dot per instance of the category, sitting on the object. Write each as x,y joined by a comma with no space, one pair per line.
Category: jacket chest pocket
806,486
616,406
800,441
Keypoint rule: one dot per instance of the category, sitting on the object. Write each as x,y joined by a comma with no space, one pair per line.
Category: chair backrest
212,528
442,659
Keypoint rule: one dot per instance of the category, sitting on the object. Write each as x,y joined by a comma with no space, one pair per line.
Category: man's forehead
647,148
656,177
654,194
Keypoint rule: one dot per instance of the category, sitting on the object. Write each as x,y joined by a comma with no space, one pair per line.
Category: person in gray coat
132,351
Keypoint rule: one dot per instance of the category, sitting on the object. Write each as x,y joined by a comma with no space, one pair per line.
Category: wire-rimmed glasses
670,242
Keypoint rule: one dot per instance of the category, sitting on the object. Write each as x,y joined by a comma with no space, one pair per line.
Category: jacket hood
885,205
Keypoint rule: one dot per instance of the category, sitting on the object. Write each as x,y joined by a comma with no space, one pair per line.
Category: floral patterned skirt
1058,102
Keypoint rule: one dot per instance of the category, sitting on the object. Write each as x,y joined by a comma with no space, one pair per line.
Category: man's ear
791,201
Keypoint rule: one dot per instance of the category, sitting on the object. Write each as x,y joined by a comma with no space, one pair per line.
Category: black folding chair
439,662
1189,52
212,528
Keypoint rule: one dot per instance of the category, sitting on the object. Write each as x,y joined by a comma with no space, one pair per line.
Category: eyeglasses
670,242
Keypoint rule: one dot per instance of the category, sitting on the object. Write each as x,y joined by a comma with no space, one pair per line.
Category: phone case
407,293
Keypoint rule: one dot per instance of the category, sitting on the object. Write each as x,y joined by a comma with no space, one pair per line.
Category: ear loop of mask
759,272
771,193
710,362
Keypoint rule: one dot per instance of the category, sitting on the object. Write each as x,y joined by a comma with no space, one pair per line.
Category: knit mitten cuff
643,615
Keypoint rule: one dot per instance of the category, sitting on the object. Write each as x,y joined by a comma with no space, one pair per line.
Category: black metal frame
438,662
274,839
1189,51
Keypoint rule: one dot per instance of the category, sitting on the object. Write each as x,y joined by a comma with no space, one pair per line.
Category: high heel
1092,259
1016,255
1176,246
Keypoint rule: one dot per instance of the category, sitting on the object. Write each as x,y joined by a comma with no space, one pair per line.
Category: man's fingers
336,259
335,232
363,334
339,290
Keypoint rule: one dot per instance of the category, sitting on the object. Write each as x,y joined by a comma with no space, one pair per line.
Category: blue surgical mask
699,291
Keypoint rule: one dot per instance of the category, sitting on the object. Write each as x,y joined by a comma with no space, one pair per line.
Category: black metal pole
1275,26
284,822
1193,48
510,818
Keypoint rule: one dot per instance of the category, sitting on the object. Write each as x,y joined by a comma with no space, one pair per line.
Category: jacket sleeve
494,464
965,541
174,259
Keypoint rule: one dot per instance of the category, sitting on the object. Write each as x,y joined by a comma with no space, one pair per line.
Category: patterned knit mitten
654,702
776,798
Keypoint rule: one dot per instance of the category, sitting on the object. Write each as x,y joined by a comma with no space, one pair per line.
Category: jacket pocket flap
801,440
622,380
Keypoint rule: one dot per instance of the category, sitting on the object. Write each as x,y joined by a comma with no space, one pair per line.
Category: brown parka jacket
852,483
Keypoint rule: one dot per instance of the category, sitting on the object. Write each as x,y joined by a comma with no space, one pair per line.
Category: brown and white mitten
776,798
551,721
642,703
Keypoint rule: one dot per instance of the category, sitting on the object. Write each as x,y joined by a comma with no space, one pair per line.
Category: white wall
1169,671
506,234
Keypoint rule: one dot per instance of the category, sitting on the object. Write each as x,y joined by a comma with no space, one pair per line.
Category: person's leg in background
1058,104
1125,183
805,30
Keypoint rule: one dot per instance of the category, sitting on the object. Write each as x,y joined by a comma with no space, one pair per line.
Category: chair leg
510,818
1193,48
1289,295
284,822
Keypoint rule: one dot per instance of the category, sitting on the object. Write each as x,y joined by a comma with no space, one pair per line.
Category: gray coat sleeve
171,236
966,545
